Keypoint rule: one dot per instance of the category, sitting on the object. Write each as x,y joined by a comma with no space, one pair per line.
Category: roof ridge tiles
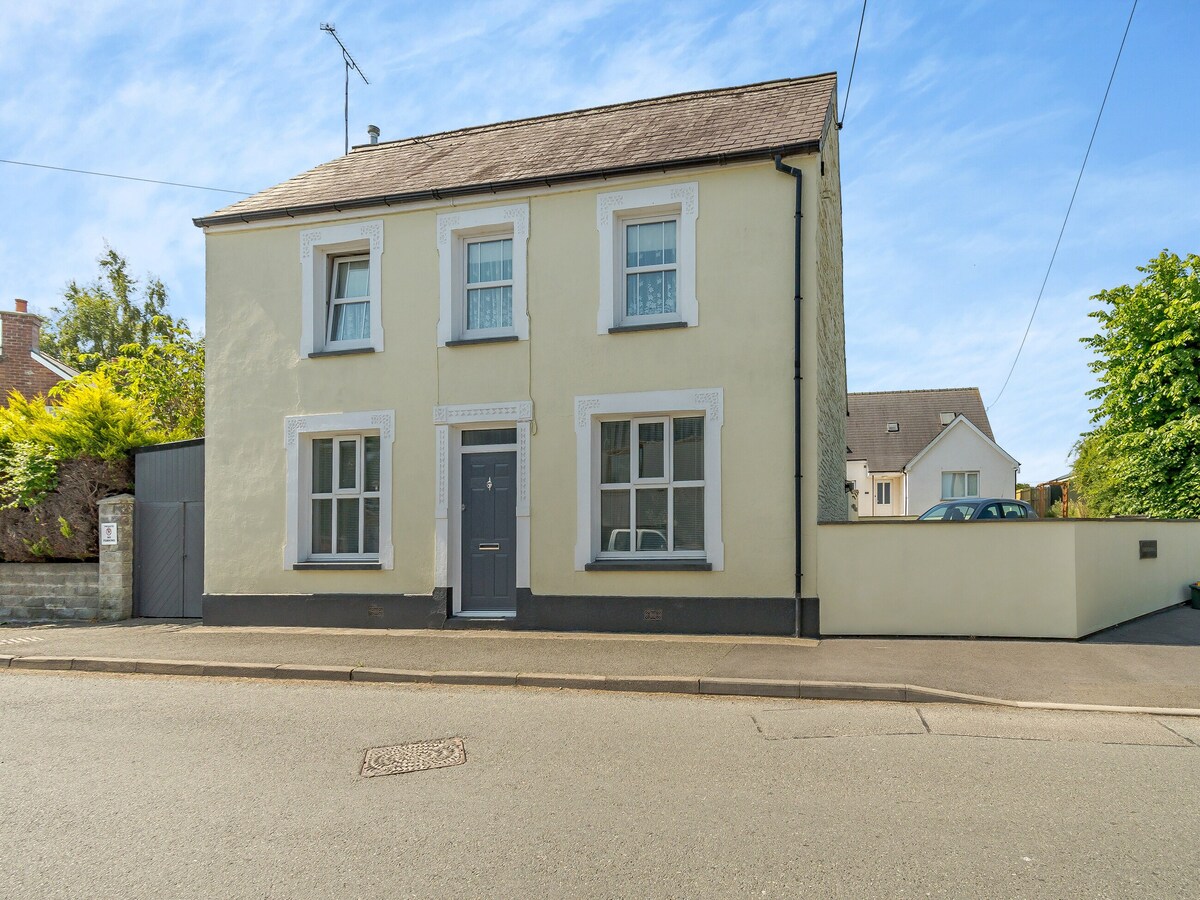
913,391
663,100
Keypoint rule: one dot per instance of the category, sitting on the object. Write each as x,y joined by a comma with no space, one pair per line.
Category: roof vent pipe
373,133
21,305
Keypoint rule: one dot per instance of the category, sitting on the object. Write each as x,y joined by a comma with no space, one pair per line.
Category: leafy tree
1143,456
90,417
98,318
168,376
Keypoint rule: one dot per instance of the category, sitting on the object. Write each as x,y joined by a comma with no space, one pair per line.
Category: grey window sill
651,326
364,566
502,339
649,565
319,353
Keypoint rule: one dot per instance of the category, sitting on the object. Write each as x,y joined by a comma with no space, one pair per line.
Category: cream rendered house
539,373
907,450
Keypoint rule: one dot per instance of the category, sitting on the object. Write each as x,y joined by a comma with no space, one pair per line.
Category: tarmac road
147,786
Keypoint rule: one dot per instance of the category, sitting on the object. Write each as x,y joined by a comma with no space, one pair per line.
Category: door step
500,623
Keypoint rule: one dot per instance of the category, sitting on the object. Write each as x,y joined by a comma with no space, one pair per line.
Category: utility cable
1070,205
198,187
850,80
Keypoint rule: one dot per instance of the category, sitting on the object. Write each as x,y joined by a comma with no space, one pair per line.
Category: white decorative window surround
299,434
590,412
449,423
320,248
456,231
615,212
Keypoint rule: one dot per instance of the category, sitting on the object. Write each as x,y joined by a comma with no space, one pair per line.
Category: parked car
976,509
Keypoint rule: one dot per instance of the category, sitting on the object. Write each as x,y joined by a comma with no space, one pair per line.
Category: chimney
20,329
373,133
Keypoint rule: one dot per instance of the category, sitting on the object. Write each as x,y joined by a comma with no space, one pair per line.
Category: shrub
57,464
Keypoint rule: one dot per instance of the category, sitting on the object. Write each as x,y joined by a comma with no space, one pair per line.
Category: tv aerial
350,64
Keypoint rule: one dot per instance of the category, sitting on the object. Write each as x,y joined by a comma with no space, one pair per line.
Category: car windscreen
949,512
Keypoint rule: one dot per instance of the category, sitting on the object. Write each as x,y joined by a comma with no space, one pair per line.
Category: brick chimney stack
19,368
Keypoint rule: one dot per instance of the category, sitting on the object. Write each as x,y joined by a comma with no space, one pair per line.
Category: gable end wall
831,338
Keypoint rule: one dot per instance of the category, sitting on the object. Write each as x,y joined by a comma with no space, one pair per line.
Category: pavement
1150,665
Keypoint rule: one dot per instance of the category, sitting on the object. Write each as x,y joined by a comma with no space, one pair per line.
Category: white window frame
637,481
462,297
337,492
334,301
454,231
615,210
590,411
319,248
299,433
966,484
620,313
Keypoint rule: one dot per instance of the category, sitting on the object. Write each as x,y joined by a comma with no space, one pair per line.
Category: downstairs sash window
651,487
344,497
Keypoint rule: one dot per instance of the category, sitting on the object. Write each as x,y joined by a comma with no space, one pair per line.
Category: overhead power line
853,62
196,187
1070,205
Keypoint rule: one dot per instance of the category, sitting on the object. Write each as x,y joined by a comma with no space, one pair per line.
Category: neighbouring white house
907,450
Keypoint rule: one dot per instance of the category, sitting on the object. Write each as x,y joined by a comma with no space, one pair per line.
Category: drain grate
21,640
414,757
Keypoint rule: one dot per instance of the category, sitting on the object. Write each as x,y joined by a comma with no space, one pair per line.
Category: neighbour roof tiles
918,414
699,128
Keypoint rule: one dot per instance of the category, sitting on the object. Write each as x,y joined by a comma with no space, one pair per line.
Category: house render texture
907,450
582,371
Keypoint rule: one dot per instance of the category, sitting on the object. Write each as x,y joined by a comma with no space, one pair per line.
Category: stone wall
99,591
832,505
38,592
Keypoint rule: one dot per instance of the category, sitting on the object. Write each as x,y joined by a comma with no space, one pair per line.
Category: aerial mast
350,64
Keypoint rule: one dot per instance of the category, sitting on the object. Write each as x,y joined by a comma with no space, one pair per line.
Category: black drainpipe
806,622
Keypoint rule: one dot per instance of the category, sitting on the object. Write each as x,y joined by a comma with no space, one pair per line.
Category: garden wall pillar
116,558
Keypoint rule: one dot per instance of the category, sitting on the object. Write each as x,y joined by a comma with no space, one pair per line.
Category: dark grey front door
489,532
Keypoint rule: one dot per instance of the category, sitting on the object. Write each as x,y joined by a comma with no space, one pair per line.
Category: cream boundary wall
1044,579
256,378
960,450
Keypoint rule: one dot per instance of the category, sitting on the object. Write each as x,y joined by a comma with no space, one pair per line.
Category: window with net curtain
651,270
345,495
349,300
959,484
489,285
652,486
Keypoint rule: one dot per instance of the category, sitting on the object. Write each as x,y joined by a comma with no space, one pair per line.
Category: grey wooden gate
168,540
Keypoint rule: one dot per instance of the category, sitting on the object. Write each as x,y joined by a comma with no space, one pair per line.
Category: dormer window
893,427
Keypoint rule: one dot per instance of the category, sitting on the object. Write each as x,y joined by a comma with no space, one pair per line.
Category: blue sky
965,129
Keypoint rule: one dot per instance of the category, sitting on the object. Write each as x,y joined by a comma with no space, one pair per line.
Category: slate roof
681,130
919,416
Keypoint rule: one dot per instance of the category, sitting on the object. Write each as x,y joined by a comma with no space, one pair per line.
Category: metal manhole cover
414,757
